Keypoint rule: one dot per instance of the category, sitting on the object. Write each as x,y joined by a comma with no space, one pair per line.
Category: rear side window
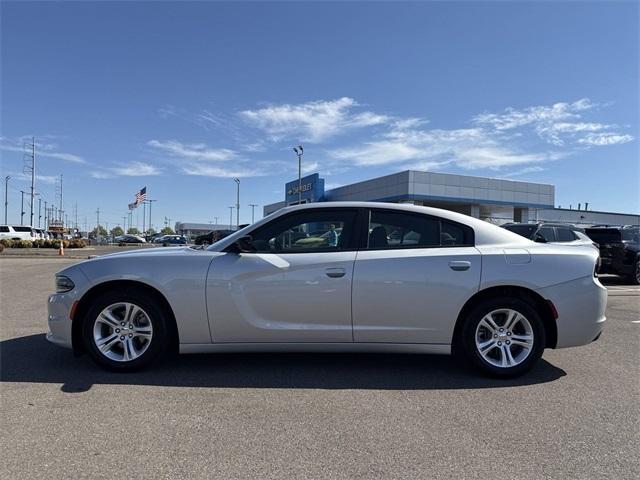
4,228
547,233
22,229
390,229
564,235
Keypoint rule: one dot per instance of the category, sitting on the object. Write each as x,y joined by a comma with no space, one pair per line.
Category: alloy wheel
122,332
504,338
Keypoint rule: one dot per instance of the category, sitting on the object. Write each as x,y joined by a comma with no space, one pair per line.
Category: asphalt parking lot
577,415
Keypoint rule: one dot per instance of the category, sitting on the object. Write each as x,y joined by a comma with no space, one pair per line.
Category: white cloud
603,139
136,169
312,121
208,170
524,171
42,150
198,151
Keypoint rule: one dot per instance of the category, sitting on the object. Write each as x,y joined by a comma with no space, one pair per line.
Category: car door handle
459,265
335,272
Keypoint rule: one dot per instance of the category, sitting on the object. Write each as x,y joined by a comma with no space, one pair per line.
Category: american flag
141,196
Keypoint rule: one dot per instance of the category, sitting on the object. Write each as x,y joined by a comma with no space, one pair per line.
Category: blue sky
181,97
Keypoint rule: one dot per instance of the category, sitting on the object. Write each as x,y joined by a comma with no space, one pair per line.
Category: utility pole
230,218
252,205
98,226
124,224
59,196
39,211
75,212
237,180
150,202
215,218
144,217
299,151
22,212
46,216
6,197
29,167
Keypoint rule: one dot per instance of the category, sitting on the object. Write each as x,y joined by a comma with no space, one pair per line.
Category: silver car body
371,300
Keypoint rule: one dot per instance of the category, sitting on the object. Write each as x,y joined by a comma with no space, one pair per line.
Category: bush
77,243
38,243
6,242
1,247
22,244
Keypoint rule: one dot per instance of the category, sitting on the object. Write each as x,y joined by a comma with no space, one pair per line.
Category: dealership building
491,199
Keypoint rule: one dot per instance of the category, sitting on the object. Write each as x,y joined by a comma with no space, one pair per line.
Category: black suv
619,250
212,237
547,232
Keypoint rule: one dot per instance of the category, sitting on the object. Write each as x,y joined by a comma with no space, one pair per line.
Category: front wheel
125,331
503,337
635,274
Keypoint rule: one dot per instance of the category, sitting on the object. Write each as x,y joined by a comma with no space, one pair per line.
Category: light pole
22,212
230,217
39,211
237,180
299,151
216,219
150,202
6,198
252,205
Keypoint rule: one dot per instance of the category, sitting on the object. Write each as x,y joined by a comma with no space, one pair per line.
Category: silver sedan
331,277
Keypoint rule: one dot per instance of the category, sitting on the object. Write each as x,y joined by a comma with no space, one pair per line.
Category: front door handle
459,265
335,272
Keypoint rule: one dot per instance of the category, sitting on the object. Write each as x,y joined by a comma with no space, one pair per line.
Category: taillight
596,268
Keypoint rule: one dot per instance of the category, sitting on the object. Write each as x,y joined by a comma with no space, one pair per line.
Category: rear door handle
335,272
459,265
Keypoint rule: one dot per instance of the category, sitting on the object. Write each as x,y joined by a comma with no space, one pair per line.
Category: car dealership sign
312,189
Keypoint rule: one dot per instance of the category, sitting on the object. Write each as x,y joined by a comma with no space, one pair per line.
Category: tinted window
631,235
522,230
309,231
564,235
4,228
547,233
388,229
604,235
22,229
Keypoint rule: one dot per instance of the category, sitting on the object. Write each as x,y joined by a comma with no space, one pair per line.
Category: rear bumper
581,306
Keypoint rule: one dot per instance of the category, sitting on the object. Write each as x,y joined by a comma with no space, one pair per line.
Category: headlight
64,284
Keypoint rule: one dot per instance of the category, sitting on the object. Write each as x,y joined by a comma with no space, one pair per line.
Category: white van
17,232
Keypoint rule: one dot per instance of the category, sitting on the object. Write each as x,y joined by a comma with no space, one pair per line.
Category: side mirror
244,244
540,239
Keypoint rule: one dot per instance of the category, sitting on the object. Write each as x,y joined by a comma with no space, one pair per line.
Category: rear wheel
125,330
503,337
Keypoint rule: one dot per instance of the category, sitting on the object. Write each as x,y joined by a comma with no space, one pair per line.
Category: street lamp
299,151
237,180
6,200
252,205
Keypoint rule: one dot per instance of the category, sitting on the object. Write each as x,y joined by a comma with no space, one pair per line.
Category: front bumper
59,307
581,306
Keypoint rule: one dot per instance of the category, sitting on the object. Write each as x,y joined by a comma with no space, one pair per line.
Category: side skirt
430,348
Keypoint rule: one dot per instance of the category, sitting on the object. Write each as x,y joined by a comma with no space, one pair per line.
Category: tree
166,231
133,231
101,231
117,231
151,231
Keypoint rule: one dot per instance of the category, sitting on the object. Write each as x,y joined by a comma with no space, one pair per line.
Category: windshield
525,231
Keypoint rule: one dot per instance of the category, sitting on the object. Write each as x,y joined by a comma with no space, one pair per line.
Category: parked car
560,233
124,239
461,285
619,250
173,240
212,237
17,232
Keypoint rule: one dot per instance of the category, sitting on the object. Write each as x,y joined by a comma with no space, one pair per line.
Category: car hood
153,252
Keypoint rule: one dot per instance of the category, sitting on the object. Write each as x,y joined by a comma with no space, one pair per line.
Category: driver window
308,231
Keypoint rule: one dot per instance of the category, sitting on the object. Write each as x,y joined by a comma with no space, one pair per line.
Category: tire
507,356
634,278
145,333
